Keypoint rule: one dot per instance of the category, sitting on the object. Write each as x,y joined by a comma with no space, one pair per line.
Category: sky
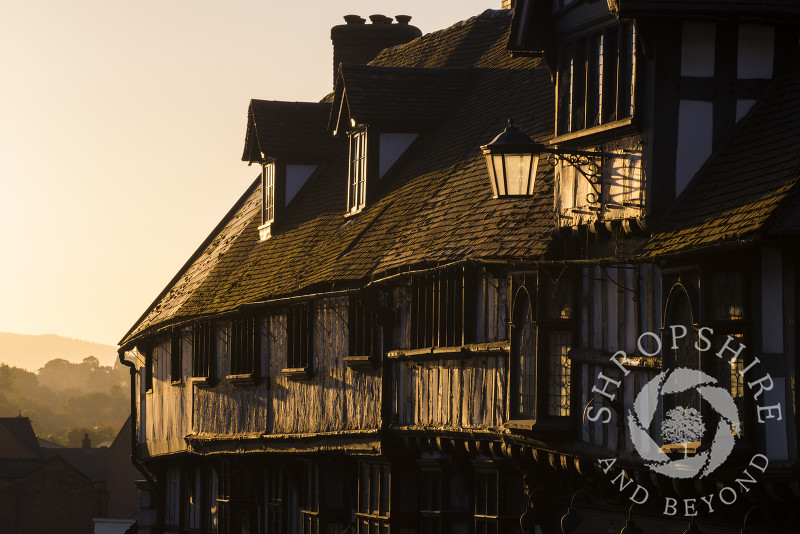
121,132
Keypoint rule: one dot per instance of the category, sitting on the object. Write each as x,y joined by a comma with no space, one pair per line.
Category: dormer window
596,75
357,176
280,182
289,141
382,110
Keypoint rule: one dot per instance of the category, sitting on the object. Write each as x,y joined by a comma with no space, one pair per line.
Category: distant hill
32,352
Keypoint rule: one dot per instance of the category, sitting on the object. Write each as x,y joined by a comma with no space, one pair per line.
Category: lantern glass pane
534,169
500,175
492,175
518,173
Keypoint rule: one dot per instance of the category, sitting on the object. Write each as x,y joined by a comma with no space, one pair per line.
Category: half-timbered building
378,337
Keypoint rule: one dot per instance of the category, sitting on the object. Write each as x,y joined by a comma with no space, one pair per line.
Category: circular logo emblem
683,425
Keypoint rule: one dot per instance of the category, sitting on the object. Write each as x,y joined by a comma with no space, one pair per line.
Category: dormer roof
395,96
288,130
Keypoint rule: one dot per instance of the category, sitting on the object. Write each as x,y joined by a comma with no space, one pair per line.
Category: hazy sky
121,131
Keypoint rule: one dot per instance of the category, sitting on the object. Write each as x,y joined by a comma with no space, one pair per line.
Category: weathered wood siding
469,393
168,407
619,194
466,392
335,397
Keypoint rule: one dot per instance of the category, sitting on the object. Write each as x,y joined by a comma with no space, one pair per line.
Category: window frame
176,343
300,338
441,309
310,509
268,191
244,347
147,349
277,499
370,514
574,105
739,328
204,351
505,518
544,326
358,162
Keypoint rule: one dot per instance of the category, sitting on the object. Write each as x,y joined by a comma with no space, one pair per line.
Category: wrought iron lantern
512,159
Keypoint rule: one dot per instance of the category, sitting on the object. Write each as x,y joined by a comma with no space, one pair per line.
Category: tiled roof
287,129
92,462
434,206
20,429
389,95
746,184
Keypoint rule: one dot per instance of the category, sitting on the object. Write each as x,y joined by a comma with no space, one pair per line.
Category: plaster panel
296,176
742,107
392,146
695,128
771,301
756,51
697,49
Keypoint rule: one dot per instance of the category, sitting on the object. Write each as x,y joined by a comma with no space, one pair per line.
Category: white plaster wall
695,126
697,49
296,176
392,146
111,526
772,347
756,52
742,107
771,301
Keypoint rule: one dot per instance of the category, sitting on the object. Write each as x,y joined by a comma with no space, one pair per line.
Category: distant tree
65,396
682,425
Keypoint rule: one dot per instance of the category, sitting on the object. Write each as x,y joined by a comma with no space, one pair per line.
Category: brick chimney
359,42
86,443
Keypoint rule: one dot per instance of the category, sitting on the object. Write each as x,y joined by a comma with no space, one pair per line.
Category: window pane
594,82
385,491
374,490
579,86
559,298
610,56
627,47
564,89
363,489
358,171
527,356
491,494
268,186
558,390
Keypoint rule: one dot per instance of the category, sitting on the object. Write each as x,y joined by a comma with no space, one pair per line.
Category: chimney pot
86,443
359,43
380,19
403,19
354,19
